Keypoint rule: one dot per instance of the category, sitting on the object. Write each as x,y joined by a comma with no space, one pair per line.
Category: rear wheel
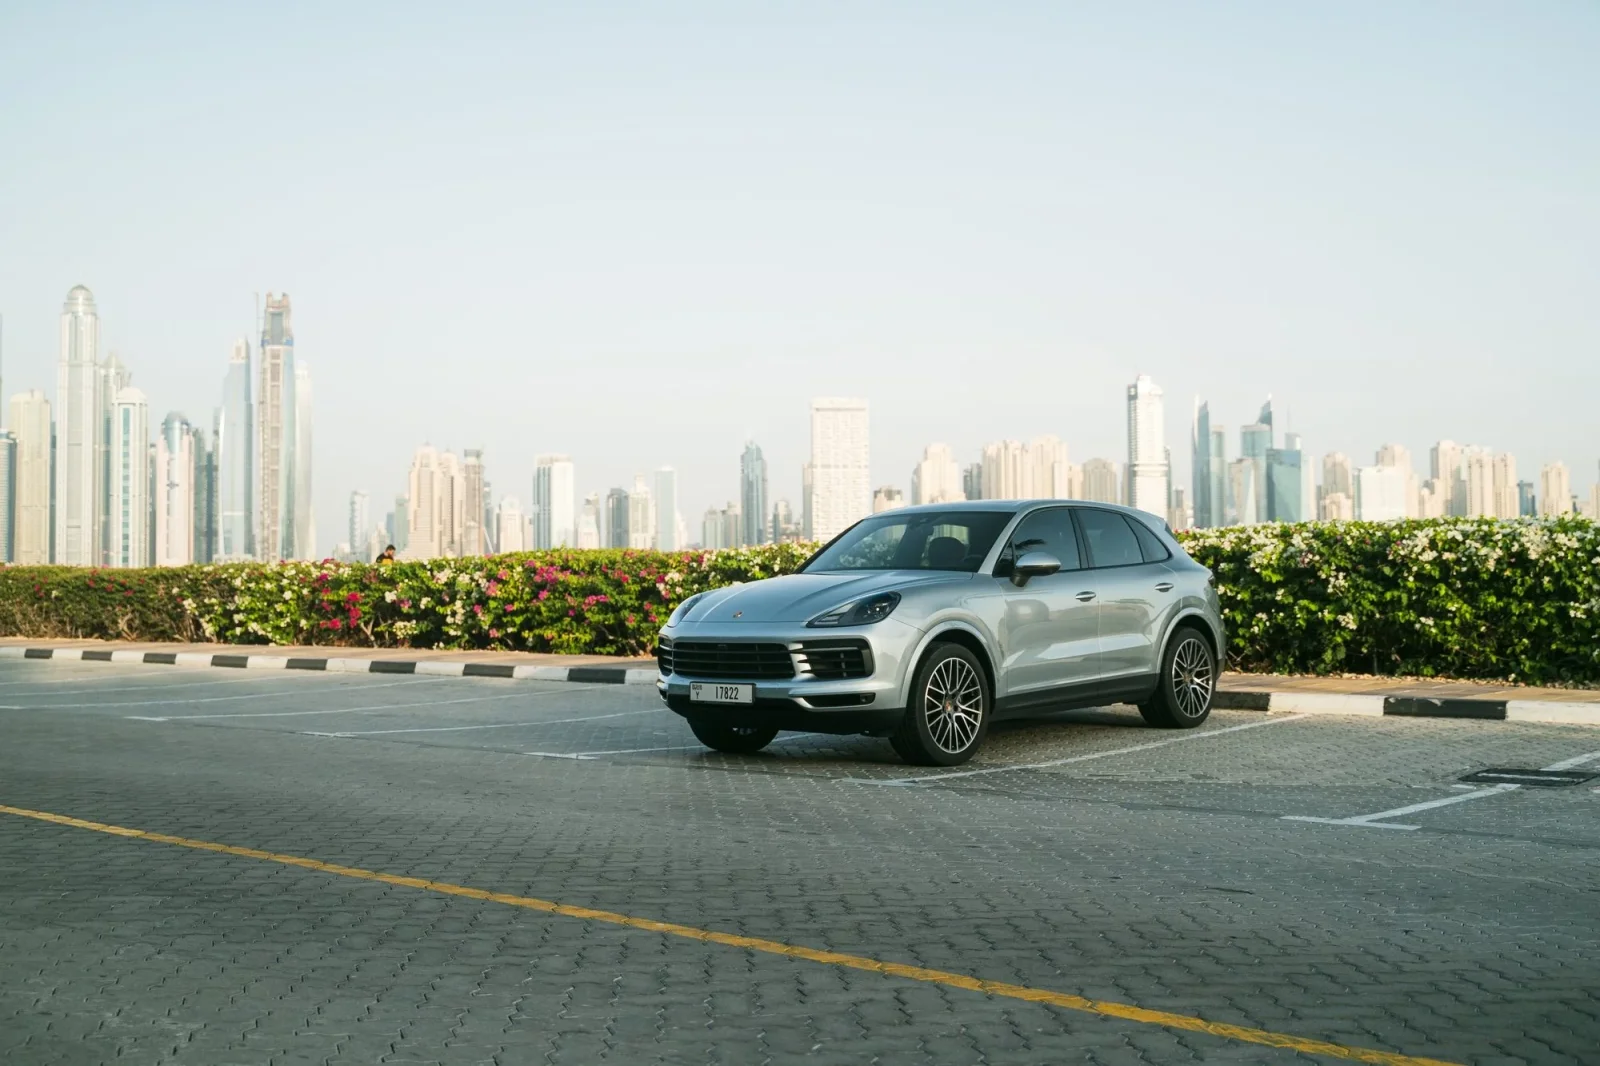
1182,699
733,739
949,711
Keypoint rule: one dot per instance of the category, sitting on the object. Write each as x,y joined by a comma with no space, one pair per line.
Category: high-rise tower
79,473
275,410
1147,471
235,445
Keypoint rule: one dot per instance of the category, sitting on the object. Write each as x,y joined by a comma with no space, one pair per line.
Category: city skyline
617,257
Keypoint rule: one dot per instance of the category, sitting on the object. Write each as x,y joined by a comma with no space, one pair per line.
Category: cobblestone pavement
1085,855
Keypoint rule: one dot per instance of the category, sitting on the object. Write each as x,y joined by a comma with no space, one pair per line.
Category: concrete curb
1375,706
1278,702
589,675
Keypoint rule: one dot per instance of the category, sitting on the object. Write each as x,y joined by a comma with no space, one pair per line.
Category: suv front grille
835,660
716,659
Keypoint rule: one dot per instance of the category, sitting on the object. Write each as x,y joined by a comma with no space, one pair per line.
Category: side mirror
1032,565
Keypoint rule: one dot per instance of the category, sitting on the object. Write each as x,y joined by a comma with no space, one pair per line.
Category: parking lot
1269,888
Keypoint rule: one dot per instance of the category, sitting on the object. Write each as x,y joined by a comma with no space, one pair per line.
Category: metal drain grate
1536,778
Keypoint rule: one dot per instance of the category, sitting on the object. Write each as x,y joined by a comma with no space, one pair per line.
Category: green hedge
1466,598
1451,598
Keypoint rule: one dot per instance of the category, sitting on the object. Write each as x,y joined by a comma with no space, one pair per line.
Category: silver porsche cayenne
925,624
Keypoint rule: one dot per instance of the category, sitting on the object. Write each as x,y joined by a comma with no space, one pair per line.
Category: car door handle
1085,597
1165,586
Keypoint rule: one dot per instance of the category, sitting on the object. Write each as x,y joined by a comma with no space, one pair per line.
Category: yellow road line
1100,1007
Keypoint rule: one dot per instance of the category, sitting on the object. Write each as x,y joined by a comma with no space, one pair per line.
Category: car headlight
682,609
862,612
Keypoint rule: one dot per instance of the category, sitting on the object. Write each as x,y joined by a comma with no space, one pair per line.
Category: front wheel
733,739
1188,680
949,711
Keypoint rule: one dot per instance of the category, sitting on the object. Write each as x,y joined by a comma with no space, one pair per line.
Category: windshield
918,540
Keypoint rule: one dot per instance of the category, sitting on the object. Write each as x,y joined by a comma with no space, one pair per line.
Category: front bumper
853,705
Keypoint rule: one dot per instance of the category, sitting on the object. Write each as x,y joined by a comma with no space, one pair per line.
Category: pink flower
477,608
336,624
354,597
544,594
571,614
502,575
405,605
494,587
494,634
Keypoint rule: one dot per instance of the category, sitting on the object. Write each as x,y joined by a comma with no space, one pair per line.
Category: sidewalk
1373,696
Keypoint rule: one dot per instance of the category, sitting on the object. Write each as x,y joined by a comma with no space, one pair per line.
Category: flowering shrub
1474,598
597,602
1470,598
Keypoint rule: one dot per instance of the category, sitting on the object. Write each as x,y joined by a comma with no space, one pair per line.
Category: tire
1186,684
948,715
733,739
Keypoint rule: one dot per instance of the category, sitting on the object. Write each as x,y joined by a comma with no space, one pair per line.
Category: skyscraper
1448,473
473,541
175,492
1148,475
1285,495
1049,472
235,444
304,526
667,520
554,502
130,479
1101,481
590,518
449,504
972,481
422,539
1381,494
753,495
887,498
1200,465
1505,485
360,524
937,478
641,515
1221,506
509,526
1254,442
1005,471
205,493
841,486
8,497
275,449
114,377
616,519
79,474
1555,489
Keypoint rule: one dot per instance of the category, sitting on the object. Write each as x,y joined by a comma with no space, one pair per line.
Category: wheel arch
952,632
1193,618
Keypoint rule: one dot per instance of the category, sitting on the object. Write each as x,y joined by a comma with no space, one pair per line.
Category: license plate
701,692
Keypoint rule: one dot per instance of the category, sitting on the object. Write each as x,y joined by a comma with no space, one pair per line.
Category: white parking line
1079,758
470,728
116,681
1574,762
336,710
213,699
1374,821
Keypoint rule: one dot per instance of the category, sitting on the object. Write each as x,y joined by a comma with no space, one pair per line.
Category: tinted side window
1149,543
1048,531
1111,541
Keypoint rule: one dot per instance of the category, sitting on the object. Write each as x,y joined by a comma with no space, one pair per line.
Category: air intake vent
835,660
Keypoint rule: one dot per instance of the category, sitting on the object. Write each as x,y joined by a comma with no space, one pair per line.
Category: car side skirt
1097,693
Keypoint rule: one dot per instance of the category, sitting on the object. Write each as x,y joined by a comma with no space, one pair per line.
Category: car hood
801,597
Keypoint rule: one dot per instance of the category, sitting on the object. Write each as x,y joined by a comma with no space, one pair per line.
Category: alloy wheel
1192,679
953,705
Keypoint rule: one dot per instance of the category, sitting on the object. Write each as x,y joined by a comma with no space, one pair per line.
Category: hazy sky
642,234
